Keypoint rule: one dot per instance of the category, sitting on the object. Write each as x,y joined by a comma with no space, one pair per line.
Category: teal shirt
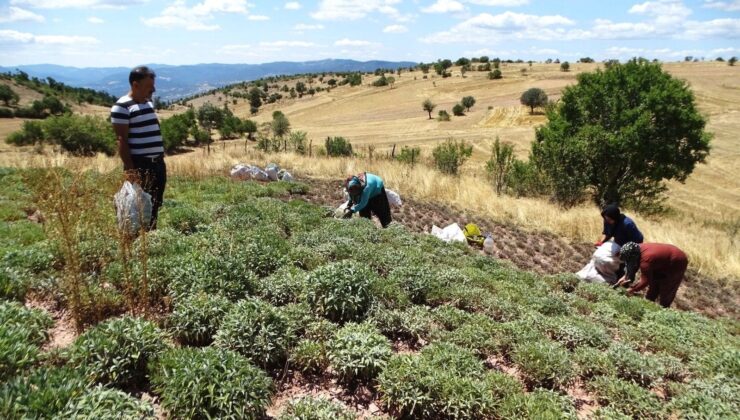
373,187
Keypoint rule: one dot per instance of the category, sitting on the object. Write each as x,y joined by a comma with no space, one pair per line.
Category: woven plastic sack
394,199
133,208
272,171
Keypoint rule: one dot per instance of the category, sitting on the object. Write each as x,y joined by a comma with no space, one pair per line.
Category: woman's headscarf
630,255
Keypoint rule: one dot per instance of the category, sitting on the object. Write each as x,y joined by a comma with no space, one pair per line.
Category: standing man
662,268
367,196
619,227
139,138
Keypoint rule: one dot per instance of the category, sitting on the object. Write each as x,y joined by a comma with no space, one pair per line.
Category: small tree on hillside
280,126
428,106
300,87
495,74
468,102
565,66
534,97
450,156
390,80
332,83
8,96
500,164
732,61
255,99
209,117
458,110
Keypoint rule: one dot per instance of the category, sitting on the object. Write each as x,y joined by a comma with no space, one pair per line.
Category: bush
458,110
22,331
495,74
183,218
257,330
443,115
340,291
80,135
714,399
310,356
443,381
338,146
210,383
207,273
540,404
450,156
419,281
359,352
42,393
413,323
543,364
116,352
195,319
574,332
316,408
6,113
282,287
409,155
102,403
590,362
32,132
175,130
12,285
626,397
642,369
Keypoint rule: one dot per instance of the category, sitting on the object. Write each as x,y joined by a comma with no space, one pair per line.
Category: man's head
611,213
141,80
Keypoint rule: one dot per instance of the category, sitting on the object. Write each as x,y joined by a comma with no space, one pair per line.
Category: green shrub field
246,289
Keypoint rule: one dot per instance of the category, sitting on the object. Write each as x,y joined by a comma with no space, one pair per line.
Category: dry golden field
705,216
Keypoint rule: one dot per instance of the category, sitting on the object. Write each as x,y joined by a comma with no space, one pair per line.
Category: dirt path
541,252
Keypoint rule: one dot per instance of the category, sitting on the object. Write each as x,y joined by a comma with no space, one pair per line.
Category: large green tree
622,131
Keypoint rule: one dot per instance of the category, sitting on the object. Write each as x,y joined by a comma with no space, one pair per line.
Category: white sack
394,199
247,172
272,171
603,265
451,233
133,208
284,175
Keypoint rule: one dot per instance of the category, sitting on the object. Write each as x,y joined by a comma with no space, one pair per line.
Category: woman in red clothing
662,268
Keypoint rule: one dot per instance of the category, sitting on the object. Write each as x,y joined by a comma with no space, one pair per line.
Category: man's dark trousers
153,175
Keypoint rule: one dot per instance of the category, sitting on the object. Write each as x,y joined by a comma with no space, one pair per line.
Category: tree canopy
622,131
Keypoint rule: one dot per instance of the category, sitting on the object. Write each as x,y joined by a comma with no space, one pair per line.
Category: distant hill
175,82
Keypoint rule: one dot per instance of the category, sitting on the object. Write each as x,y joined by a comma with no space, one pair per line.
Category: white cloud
727,6
444,6
355,9
395,29
197,17
500,3
292,5
717,28
15,14
78,4
258,17
26,38
287,44
95,20
661,8
486,28
346,42
306,27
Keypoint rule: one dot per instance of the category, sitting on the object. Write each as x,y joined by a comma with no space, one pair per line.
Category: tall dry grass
710,249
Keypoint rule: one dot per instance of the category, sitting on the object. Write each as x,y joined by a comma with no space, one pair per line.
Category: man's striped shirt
144,136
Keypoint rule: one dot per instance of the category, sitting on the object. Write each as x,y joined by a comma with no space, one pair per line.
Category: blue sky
97,33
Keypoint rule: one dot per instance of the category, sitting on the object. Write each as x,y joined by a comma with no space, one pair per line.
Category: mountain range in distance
174,82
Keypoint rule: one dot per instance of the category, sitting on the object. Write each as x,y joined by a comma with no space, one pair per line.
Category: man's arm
121,131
